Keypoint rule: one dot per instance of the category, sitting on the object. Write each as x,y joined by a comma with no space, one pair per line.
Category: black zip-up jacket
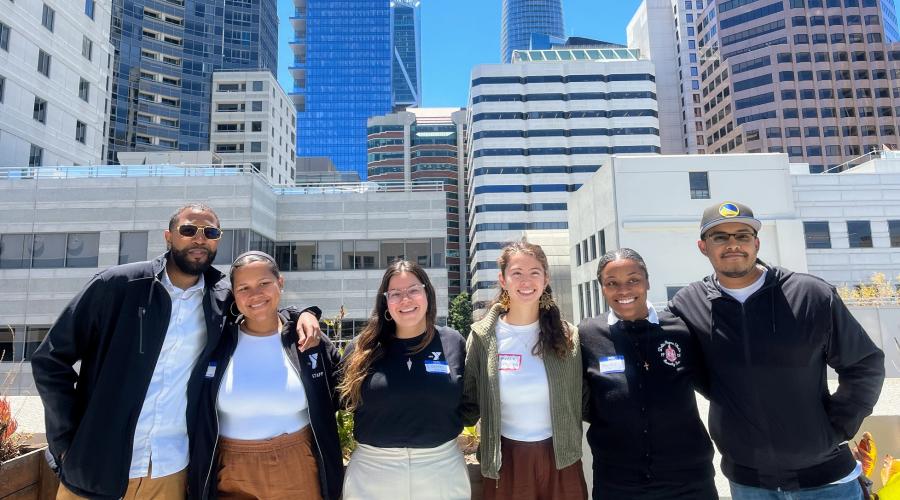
771,414
316,368
645,428
115,326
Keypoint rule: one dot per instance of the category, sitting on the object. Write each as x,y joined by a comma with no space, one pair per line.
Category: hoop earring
231,309
387,316
504,299
546,301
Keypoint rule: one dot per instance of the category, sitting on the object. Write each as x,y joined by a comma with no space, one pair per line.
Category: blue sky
458,34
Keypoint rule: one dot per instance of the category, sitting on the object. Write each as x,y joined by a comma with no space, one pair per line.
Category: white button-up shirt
161,433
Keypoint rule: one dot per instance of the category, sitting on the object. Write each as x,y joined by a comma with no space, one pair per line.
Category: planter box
27,477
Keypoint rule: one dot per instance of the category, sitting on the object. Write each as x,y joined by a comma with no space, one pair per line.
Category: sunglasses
209,232
719,239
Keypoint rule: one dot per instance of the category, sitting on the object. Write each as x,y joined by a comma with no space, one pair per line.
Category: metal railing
360,187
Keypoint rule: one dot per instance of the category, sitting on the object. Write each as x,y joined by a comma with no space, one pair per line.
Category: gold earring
504,299
546,301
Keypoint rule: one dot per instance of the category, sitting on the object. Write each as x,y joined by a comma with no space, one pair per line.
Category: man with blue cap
768,336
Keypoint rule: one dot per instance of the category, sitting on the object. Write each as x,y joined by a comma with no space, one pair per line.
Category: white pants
407,474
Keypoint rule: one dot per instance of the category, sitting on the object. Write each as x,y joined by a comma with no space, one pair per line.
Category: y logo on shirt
314,360
436,355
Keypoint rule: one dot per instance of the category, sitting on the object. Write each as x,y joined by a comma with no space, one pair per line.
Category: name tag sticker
612,364
510,362
432,366
211,370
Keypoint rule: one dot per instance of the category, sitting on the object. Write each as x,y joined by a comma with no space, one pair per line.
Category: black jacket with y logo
316,368
771,413
115,327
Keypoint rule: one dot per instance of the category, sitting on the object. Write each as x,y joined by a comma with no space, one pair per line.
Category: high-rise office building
342,76
54,72
523,18
889,18
812,78
406,60
165,54
426,145
665,32
537,129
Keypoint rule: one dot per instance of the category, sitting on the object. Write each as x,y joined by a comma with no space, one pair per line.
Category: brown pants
171,487
283,467
528,472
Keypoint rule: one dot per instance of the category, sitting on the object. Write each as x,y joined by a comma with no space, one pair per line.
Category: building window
255,147
36,156
132,246
2,87
80,132
257,86
593,246
4,37
256,106
894,232
699,182
89,8
671,291
43,63
256,126
48,17
817,234
87,48
40,110
578,254
601,238
84,89
859,232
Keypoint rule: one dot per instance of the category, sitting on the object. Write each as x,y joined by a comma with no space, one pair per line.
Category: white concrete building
665,32
842,227
333,242
537,129
54,82
254,122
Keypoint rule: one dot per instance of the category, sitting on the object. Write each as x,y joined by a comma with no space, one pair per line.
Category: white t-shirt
524,389
742,294
261,395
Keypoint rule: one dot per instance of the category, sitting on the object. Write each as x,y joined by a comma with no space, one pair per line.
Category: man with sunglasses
768,336
143,332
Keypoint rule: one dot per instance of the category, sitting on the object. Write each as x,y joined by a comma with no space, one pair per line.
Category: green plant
345,433
460,317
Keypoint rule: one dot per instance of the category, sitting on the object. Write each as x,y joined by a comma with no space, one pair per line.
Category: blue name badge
432,366
612,364
211,370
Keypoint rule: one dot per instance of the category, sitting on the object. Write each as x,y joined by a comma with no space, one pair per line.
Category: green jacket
481,396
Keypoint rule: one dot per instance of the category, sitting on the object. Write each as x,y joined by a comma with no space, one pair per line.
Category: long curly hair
369,346
555,336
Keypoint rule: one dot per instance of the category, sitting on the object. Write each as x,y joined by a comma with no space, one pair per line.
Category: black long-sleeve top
643,413
413,400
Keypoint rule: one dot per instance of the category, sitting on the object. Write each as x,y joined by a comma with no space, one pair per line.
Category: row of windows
566,132
815,131
49,250
859,233
519,226
519,207
821,38
574,96
539,115
800,4
572,169
532,188
589,304
496,80
837,55
590,248
586,150
854,20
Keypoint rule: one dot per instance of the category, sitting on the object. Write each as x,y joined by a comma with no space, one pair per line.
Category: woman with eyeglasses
641,367
402,379
266,424
523,379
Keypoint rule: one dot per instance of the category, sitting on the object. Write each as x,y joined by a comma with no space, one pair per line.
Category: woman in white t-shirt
523,379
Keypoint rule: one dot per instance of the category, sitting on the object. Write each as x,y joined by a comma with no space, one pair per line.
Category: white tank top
524,389
261,395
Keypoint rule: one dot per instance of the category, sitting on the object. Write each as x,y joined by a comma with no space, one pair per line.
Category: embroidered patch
670,352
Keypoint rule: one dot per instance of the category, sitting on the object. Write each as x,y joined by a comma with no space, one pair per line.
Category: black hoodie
316,368
771,414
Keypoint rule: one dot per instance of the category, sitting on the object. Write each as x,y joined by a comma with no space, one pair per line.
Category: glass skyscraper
889,19
165,54
522,18
342,76
406,72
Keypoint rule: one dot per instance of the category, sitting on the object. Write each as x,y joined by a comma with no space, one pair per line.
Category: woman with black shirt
641,367
402,378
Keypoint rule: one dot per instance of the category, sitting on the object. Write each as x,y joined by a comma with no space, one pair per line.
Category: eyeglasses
719,239
209,232
414,292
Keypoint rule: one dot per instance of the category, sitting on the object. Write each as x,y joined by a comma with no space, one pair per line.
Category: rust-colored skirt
280,468
528,472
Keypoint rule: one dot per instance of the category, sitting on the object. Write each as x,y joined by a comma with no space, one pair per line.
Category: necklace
409,363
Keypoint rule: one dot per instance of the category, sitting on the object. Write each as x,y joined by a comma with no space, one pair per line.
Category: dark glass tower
165,54
406,72
522,18
342,76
